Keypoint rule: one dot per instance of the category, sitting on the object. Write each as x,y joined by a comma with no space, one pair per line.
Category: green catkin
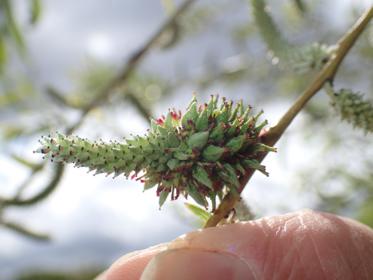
353,108
201,154
299,59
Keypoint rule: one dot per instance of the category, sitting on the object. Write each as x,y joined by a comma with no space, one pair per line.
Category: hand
300,245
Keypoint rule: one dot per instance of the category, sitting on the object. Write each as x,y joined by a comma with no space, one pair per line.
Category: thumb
301,245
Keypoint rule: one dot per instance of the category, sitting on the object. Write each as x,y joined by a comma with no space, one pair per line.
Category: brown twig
48,189
274,134
25,231
131,65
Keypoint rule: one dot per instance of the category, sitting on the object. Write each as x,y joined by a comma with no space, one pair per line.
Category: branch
48,189
59,98
140,107
274,134
131,65
325,75
25,231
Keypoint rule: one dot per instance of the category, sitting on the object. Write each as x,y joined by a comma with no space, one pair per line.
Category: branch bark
274,134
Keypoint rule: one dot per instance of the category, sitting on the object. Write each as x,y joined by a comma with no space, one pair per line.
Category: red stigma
175,115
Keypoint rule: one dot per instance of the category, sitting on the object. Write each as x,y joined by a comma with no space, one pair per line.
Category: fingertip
197,264
304,244
131,266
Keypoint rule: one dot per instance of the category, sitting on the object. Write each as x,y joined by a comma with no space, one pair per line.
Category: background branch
48,189
131,65
118,82
25,231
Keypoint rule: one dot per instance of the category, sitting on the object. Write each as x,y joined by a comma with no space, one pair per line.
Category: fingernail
132,264
126,258
185,264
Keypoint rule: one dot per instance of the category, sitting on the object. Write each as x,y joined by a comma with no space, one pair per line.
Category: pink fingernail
185,264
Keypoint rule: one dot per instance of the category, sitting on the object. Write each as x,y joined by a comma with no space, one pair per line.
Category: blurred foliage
339,174
192,23
87,274
10,29
299,58
141,90
88,83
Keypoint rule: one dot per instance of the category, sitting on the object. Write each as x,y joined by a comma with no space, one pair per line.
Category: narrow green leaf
35,11
3,54
198,211
13,27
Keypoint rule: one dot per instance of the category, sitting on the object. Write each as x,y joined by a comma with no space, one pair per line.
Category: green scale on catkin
201,154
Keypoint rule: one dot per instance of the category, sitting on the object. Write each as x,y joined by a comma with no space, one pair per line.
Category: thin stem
25,231
131,65
325,75
46,191
274,134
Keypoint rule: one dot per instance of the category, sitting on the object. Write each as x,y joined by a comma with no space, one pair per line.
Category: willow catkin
201,153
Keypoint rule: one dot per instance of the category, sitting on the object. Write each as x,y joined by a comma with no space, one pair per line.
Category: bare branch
47,190
131,65
25,231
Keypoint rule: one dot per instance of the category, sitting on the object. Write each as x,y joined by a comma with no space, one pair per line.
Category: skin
300,245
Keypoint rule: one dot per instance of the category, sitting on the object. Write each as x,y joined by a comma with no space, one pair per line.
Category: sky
94,220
